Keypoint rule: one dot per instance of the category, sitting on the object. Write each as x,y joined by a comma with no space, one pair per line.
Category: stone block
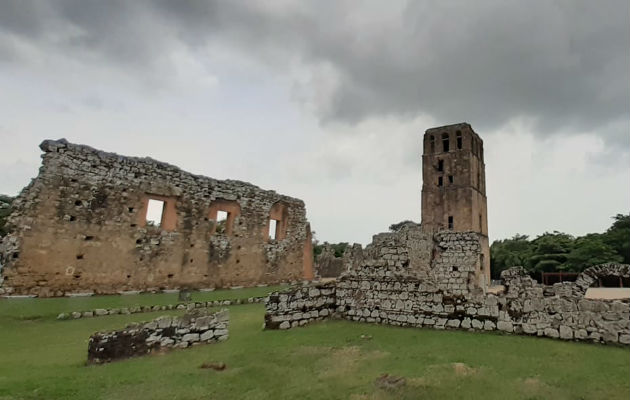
565,332
551,332
207,335
505,326
453,323
164,322
191,337
529,328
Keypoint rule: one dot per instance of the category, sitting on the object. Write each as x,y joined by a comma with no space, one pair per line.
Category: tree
338,248
507,253
590,250
550,251
618,236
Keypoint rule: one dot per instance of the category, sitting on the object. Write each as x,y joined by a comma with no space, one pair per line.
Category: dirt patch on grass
313,350
347,360
462,369
533,385
390,382
439,374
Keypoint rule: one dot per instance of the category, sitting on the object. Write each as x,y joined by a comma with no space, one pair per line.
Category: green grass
42,358
34,308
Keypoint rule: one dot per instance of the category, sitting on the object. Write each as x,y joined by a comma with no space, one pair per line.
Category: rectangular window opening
273,226
222,215
440,165
440,181
459,140
450,179
222,218
450,222
445,145
155,211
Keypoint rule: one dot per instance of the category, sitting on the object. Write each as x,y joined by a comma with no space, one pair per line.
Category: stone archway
592,275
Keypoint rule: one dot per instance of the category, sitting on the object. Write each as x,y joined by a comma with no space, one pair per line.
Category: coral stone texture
454,186
83,225
193,328
396,286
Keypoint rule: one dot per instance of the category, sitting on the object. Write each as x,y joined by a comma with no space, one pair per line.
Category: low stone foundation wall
299,306
193,328
101,312
383,294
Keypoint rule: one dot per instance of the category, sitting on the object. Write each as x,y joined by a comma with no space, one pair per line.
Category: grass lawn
37,308
42,358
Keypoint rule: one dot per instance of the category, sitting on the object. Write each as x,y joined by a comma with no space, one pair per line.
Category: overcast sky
328,100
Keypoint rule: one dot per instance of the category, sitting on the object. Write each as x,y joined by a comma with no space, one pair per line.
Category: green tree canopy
558,251
507,253
590,250
550,251
618,236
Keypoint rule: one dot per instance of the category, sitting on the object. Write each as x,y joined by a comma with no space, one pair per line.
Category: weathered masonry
454,186
195,327
398,285
99,222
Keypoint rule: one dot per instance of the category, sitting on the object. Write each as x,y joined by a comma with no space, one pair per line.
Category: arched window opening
445,142
432,143
458,134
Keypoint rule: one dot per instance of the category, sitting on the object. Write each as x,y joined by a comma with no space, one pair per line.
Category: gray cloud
563,64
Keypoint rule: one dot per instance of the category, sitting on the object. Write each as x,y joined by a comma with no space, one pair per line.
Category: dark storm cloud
563,64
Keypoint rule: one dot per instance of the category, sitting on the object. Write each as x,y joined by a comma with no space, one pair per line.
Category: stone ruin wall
193,328
444,296
80,227
329,266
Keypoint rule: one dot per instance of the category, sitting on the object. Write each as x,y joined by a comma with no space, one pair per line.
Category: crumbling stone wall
102,312
385,290
329,266
196,327
80,226
299,306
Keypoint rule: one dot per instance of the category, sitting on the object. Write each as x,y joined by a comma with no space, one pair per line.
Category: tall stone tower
454,186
